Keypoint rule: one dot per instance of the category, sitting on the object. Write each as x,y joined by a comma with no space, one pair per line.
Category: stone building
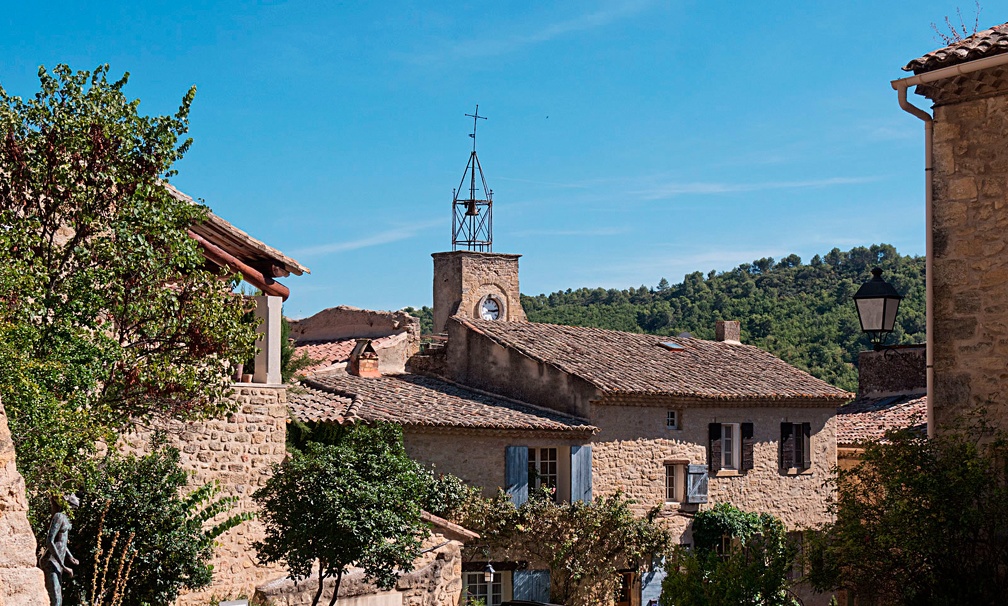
966,174
892,395
678,422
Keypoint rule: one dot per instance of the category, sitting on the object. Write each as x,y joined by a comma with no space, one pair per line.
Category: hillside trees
107,311
801,312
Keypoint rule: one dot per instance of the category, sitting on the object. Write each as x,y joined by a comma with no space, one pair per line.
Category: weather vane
472,217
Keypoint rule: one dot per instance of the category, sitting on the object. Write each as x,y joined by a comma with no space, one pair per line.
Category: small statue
57,555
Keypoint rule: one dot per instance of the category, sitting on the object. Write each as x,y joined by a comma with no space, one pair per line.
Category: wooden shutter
516,473
696,484
747,446
581,473
714,447
787,446
806,429
532,585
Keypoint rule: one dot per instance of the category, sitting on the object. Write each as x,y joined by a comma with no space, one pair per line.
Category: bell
471,208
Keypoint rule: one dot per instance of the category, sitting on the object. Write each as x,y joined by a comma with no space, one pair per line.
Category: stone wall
345,322
478,457
630,451
462,278
436,580
970,236
897,370
476,360
238,452
21,582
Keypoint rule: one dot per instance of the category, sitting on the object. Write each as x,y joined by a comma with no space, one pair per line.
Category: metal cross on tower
472,217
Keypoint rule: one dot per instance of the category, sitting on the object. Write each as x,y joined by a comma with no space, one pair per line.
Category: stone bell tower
471,280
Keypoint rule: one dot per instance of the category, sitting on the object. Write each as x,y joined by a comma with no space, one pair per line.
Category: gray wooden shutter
516,473
747,446
581,473
532,585
806,429
714,447
787,450
696,484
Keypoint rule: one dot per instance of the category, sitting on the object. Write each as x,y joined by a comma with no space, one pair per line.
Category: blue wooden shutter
516,473
651,583
696,484
532,585
581,473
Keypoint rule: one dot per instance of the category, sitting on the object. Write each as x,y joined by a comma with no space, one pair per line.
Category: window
542,466
797,570
730,447
672,419
478,589
796,446
675,478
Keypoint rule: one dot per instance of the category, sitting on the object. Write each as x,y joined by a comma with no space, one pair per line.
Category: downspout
901,86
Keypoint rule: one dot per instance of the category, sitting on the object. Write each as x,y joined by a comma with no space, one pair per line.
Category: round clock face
490,309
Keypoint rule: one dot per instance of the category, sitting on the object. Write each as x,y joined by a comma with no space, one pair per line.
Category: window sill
796,471
728,473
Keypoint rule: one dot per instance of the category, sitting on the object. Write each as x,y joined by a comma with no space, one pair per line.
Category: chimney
364,360
728,331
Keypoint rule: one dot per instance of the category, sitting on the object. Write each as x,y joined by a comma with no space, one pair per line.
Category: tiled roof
417,400
987,43
868,419
331,352
620,363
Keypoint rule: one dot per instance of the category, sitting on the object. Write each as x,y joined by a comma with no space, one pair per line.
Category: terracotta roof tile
417,400
868,419
987,43
638,364
333,352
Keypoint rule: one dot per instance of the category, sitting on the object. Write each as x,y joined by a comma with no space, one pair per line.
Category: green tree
801,313
919,521
739,558
583,545
134,509
107,312
356,501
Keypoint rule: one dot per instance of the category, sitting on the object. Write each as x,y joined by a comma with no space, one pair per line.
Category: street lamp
877,302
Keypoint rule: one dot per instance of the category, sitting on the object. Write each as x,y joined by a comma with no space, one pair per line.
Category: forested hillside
802,312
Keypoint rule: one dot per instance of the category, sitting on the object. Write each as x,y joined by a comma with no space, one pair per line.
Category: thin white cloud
384,237
671,190
502,44
601,231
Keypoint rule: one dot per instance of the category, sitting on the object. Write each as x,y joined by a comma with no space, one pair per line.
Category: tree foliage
582,544
106,308
355,501
136,509
738,558
800,312
919,521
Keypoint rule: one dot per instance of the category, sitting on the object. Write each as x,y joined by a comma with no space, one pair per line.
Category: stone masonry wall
478,458
970,236
473,359
21,582
238,452
630,451
463,278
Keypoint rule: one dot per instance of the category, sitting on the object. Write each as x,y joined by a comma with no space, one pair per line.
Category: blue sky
626,141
